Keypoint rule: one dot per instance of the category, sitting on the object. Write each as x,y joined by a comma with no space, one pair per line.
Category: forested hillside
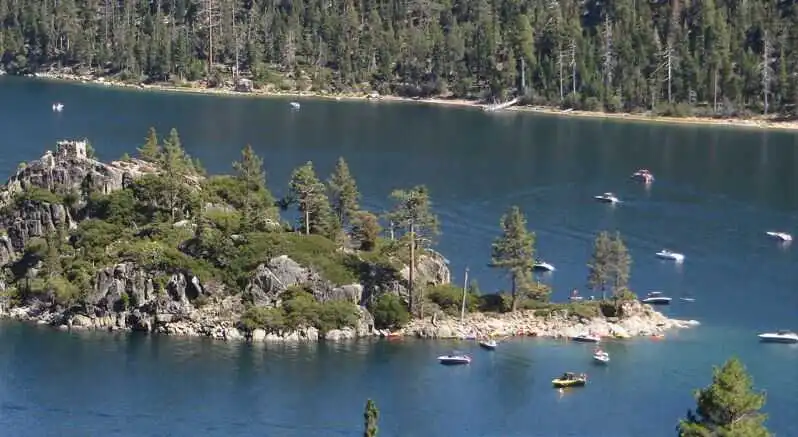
722,56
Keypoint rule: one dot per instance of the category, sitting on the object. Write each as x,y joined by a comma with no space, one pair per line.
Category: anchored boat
672,256
656,298
570,379
454,358
782,336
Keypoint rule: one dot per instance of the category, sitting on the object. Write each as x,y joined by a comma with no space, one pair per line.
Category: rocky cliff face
67,169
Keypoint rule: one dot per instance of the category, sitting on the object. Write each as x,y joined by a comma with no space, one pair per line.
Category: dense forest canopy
717,56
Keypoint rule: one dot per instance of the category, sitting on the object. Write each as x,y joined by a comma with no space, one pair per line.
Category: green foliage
592,55
371,416
308,193
413,215
272,320
313,251
514,251
728,407
35,195
300,309
343,193
257,203
366,230
450,299
389,312
609,266
151,151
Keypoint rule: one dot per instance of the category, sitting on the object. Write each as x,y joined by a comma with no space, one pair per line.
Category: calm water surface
717,191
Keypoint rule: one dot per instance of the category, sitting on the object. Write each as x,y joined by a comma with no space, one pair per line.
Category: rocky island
151,243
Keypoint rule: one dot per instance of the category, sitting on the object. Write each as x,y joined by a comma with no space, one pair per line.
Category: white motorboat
295,105
783,236
687,299
782,336
601,357
455,358
58,107
607,198
643,175
543,266
673,256
488,344
586,338
656,298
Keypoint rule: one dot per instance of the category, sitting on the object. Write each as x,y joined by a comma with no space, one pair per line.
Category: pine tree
600,266
514,251
258,200
729,407
413,213
175,166
621,265
308,193
151,150
371,416
344,195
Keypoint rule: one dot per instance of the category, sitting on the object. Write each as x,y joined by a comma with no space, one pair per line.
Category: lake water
717,191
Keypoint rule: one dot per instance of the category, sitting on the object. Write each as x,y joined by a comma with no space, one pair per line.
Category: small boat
58,107
783,236
656,298
586,338
543,266
454,358
782,336
295,105
643,175
601,357
687,299
570,379
673,256
489,344
607,198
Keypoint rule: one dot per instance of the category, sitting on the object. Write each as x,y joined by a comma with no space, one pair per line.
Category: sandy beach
753,123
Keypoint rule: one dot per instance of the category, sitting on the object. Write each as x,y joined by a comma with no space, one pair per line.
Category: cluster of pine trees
718,56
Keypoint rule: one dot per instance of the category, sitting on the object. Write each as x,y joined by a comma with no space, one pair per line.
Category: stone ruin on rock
69,149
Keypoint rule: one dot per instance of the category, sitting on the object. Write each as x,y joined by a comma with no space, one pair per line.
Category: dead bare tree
210,17
608,61
766,69
573,66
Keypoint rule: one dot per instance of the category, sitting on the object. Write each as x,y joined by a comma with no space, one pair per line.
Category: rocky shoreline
639,321
208,321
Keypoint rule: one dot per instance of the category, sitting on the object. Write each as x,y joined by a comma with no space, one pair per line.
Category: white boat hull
657,300
546,267
606,199
769,338
586,339
780,236
452,361
601,359
671,256
491,345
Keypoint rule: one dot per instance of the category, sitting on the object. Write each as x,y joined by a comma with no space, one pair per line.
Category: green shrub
271,320
389,312
300,309
450,299
37,195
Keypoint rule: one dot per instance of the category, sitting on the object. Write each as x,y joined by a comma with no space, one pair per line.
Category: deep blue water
717,191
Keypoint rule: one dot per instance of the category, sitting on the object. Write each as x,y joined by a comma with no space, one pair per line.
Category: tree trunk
514,299
412,269
307,219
